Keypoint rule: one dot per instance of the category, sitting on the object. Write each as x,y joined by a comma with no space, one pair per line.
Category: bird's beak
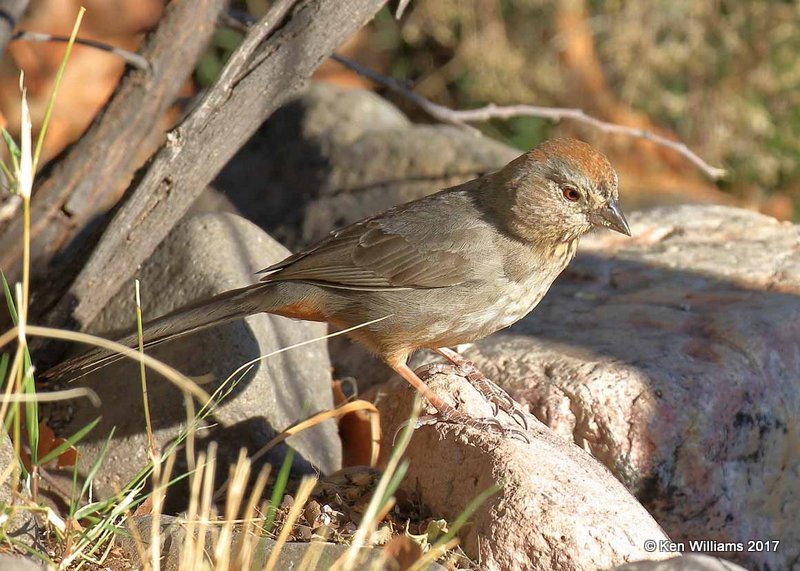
611,217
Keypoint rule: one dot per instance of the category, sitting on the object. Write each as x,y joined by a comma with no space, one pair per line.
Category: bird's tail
222,308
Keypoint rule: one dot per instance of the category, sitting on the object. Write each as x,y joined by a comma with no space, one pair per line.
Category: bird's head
560,190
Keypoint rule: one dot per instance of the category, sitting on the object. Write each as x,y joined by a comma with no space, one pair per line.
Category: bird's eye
571,193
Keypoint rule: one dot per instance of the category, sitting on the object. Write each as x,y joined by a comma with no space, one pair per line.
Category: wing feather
403,248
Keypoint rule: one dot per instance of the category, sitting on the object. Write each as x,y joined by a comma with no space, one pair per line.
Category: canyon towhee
447,269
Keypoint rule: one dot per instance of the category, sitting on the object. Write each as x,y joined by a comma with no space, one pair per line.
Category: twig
492,111
131,58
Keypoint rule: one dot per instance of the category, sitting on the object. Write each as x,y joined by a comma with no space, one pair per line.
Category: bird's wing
410,247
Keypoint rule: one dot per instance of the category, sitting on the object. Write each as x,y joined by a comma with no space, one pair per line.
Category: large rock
203,256
559,509
19,563
673,358
682,563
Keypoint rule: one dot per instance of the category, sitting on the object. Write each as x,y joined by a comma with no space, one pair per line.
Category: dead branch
463,117
273,63
131,58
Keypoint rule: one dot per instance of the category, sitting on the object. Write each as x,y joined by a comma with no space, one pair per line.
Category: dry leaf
357,431
403,550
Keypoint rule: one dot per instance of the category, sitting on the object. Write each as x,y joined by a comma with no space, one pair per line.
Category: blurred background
721,76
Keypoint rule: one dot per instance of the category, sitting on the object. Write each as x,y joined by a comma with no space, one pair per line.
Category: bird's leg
449,414
497,397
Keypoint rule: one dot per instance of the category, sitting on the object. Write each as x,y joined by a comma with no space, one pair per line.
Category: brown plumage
436,272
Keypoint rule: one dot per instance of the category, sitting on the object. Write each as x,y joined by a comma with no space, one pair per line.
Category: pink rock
673,358
559,509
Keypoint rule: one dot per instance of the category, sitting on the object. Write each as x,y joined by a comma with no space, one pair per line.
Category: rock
669,356
385,168
682,563
22,525
18,563
203,256
171,535
672,357
559,509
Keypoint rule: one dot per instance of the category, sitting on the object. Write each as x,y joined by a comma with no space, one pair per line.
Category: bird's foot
450,415
497,397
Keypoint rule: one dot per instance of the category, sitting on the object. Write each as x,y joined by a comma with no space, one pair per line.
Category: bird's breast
523,292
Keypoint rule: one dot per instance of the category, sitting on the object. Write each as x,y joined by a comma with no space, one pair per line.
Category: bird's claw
450,415
497,397
519,417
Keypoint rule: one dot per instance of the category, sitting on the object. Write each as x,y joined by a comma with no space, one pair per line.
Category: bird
434,273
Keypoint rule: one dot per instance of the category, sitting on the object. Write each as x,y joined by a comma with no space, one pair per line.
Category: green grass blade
8,174
73,501
9,298
278,490
467,513
4,359
31,409
28,384
53,92
97,462
394,483
89,509
13,151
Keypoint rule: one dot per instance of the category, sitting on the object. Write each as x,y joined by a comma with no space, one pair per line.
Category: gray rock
682,563
22,526
18,563
672,357
385,168
203,256
171,536
558,508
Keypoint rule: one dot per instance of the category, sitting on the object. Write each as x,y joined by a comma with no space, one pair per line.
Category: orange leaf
48,441
403,550
145,507
357,431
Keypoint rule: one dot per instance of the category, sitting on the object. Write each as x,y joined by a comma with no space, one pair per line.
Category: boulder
19,563
558,509
672,357
682,563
